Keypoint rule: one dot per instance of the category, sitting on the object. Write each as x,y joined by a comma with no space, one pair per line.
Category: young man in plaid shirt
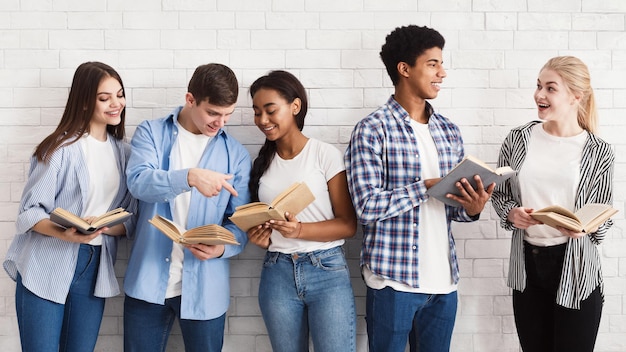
396,153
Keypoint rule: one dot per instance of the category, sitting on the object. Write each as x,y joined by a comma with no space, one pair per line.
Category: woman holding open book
554,272
63,275
305,283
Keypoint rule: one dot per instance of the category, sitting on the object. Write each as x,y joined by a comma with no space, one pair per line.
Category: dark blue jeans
147,327
48,326
427,320
544,326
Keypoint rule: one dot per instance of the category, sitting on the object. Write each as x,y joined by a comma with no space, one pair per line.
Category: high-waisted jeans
306,292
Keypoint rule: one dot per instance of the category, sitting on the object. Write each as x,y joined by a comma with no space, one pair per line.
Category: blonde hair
575,75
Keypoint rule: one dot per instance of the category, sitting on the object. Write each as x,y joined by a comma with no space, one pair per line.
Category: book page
169,228
211,234
111,218
107,214
68,219
559,210
252,207
593,215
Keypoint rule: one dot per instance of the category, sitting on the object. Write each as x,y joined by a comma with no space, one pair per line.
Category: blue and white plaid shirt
384,176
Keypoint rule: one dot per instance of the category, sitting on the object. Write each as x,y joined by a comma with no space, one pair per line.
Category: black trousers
544,326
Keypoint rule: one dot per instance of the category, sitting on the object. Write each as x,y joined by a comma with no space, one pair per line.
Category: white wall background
493,53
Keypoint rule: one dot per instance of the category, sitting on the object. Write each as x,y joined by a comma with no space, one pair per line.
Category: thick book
467,168
111,218
585,219
211,234
293,200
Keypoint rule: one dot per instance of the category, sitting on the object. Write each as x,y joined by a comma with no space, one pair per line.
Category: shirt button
414,248
167,259
417,179
414,225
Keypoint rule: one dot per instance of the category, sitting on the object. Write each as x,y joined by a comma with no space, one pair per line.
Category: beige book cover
294,199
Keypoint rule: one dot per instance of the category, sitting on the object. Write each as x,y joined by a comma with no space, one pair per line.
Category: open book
586,219
211,234
294,199
111,218
467,168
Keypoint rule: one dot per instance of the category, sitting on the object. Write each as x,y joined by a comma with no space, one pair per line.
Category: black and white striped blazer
581,270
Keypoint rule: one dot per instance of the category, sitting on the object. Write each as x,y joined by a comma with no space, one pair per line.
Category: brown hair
79,109
214,82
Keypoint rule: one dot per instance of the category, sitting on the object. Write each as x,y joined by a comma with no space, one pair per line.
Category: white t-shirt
104,177
186,153
316,164
435,276
549,176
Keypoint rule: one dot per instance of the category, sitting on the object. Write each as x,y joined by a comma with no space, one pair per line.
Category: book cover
111,218
211,234
467,168
294,199
586,219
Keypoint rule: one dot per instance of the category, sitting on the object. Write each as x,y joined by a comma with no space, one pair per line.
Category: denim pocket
332,263
270,259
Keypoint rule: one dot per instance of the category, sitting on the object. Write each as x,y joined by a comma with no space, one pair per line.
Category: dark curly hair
289,88
405,44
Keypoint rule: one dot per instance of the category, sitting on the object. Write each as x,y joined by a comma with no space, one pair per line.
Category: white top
315,165
434,271
104,179
552,163
186,153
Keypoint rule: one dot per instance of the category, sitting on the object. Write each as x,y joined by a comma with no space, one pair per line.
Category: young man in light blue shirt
186,168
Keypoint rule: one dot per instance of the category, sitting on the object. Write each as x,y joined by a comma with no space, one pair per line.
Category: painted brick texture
493,52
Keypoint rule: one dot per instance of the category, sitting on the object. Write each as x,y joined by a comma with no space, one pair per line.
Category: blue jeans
306,292
426,319
48,326
147,327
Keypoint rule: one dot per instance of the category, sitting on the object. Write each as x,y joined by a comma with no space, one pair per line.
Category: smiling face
554,100
424,78
273,115
203,117
110,102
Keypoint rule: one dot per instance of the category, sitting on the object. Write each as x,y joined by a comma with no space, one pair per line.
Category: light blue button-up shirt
205,284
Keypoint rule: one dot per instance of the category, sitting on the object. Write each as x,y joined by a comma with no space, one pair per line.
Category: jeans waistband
322,253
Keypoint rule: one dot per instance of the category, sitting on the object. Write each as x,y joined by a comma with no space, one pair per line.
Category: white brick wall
493,52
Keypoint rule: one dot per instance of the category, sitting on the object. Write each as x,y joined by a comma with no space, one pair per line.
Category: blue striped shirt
46,263
384,177
205,285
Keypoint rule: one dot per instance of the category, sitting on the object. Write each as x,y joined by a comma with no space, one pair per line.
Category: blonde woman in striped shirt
555,274
63,276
